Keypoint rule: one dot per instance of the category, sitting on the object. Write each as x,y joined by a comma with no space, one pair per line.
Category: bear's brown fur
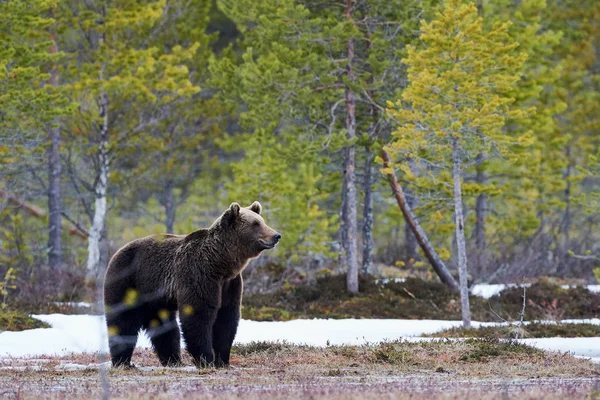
198,275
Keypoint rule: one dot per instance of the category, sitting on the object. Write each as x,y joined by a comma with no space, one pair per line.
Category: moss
481,349
252,348
267,314
533,330
13,320
393,353
414,299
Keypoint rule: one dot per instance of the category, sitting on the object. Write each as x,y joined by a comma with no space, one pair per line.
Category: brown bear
198,275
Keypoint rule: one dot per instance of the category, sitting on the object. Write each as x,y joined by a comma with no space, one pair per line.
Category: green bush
13,320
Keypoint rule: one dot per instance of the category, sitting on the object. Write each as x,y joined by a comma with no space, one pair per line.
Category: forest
408,138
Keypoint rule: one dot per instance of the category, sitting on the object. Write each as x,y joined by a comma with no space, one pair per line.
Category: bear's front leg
227,321
197,320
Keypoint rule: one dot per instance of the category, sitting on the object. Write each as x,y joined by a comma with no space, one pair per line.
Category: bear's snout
269,244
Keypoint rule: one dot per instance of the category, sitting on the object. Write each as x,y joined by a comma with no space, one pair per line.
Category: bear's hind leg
123,331
165,337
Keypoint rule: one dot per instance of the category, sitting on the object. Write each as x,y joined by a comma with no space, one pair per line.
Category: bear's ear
232,213
256,207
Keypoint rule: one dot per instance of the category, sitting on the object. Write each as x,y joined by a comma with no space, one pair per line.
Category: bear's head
246,228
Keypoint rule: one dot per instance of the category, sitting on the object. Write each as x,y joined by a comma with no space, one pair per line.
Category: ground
330,358
483,369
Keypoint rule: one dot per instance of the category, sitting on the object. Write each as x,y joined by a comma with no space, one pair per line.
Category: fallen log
36,211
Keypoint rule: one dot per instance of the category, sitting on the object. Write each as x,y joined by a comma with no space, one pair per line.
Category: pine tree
577,126
456,104
168,160
119,81
313,81
32,100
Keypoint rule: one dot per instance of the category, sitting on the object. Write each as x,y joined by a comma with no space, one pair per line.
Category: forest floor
474,368
417,299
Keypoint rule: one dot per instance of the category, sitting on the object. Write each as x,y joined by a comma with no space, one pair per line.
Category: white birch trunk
460,237
94,269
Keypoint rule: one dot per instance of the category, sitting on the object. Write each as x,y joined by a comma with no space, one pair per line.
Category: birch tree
119,83
456,104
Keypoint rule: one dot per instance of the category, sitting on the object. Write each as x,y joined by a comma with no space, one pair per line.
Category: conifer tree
118,81
32,101
456,104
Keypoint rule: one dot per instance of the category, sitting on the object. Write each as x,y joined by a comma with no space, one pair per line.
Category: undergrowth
532,330
15,320
416,299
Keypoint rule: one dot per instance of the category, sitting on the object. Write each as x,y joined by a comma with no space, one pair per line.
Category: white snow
488,290
81,304
87,333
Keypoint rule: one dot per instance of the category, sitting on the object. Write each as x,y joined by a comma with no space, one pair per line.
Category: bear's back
144,265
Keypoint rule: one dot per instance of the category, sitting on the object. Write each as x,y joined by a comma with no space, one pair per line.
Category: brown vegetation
416,299
533,330
392,370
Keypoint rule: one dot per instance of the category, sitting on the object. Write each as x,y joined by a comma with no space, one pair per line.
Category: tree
314,78
120,81
456,104
32,100
169,158
504,189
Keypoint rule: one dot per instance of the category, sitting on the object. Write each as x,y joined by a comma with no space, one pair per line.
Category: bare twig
496,314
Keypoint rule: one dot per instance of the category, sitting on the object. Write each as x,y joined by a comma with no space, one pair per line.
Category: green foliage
15,250
282,165
25,61
486,348
12,320
197,125
458,88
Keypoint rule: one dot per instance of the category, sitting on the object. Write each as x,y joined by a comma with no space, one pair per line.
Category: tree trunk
54,200
94,269
368,214
435,260
564,243
410,241
480,223
480,205
54,193
480,208
349,171
343,241
170,209
460,236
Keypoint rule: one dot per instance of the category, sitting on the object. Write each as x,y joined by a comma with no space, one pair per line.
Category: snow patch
488,290
87,334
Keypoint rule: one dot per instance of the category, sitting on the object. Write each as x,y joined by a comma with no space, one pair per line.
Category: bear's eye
256,224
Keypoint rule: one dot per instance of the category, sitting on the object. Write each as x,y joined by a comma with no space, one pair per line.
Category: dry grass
394,370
